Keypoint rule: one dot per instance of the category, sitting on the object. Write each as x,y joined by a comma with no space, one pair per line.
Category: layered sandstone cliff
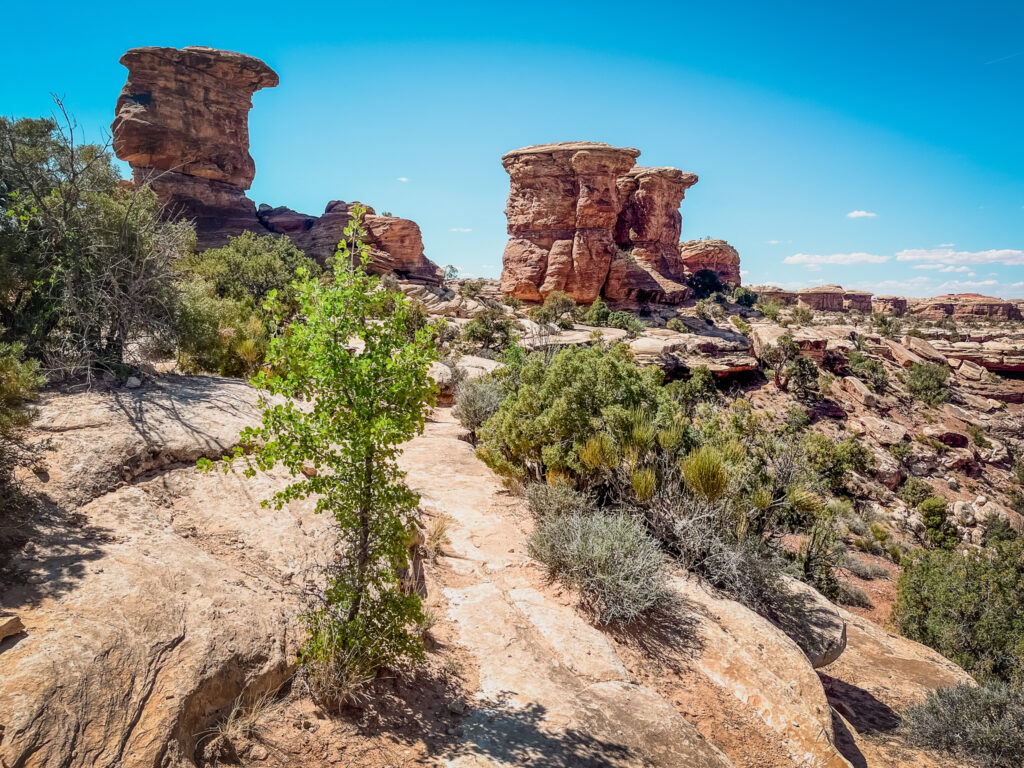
965,305
584,219
182,123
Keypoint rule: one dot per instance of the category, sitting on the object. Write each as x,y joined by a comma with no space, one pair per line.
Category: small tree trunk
363,555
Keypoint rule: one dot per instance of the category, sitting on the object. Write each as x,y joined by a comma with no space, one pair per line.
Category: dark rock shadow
669,635
862,711
812,623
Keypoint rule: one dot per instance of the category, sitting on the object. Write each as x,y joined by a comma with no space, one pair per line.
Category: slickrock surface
582,219
153,596
182,123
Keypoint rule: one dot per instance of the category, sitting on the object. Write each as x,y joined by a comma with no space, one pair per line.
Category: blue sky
876,145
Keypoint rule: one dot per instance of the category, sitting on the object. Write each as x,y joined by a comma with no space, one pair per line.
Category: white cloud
835,258
946,245
942,267
861,215
774,242
949,256
744,272
402,179
460,229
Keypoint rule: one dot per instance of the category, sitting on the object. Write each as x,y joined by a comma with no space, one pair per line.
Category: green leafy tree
355,387
19,380
802,375
597,314
491,329
779,356
928,382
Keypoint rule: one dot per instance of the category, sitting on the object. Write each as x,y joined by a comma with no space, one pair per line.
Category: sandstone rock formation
584,220
716,255
826,298
774,293
182,123
889,305
965,305
859,301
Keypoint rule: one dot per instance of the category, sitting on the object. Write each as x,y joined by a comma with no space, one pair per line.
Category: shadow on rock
862,710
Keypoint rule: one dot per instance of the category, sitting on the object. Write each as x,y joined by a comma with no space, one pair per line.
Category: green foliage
833,461
978,436
491,329
705,473
597,314
744,296
85,265
802,315
558,404
709,310
914,491
771,309
802,376
886,325
705,282
19,381
699,388
223,326
936,521
900,451
614,563
983,724
870,371
512,302
354,386
778,357
741,325
547,500
677,325
471,289
927,382
559,308
626,321
476,400
968,606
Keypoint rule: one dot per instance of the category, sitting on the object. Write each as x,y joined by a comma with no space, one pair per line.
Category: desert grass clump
983,723
556,500
615,564
705,473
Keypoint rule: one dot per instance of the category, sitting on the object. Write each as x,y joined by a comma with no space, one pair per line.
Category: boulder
901,355
923,349
857,389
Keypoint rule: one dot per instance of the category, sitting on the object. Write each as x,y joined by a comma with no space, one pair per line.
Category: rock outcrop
582,219
889,305
857,301
182,123
965,305
774,293
715,255
826,298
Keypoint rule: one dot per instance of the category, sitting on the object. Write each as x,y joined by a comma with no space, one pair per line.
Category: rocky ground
156,600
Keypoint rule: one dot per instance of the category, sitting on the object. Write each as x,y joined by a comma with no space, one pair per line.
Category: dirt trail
552,690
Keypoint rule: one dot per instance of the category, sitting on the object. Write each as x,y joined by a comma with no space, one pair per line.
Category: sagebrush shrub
981,723
476,400
927,382
546,500
615,564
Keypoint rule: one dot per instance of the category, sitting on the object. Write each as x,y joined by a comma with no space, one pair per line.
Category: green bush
491,329
983,724
476,400
699,388
19,381
771,309
833,461
705,473
802,315
471,289
900,451
512,302
978,436
709,310
802,378
559,308
615,564
597,314
744,296
557,404
870,371
968,606
677,325
927,382
626,321
914,491
941,532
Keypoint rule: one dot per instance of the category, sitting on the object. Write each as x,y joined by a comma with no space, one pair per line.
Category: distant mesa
585,219
182,123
